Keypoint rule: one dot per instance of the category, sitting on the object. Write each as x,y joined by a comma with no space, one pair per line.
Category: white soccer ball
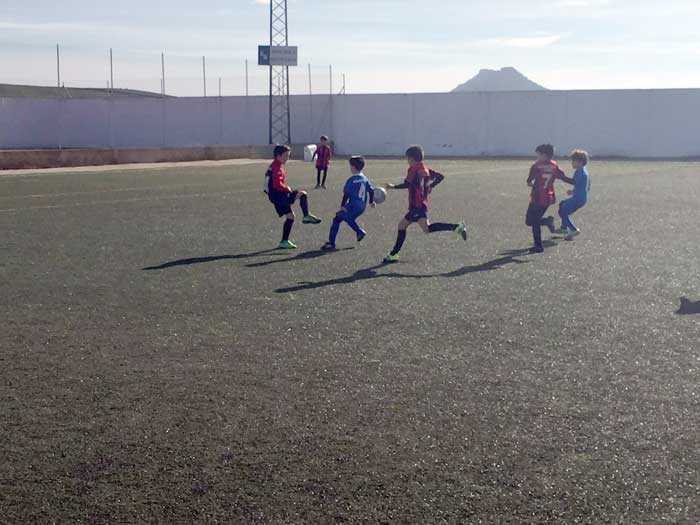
379,195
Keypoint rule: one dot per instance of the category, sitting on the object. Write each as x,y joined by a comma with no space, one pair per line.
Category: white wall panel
626,123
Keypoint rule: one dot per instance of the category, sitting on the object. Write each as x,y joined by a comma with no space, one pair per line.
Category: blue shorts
282,201
570,206
352,213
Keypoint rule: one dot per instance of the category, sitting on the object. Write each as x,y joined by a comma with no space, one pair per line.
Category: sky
380,46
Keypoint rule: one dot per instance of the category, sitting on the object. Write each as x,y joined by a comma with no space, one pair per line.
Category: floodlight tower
280,124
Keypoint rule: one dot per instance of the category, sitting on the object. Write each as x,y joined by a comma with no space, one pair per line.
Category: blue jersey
582,185
357,189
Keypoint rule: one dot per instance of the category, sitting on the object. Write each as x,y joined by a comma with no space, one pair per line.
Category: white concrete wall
629,123
656,123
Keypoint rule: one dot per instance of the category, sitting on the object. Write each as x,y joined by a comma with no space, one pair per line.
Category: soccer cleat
461,230
328,247
311,219
537,249
391,258
318,186
323,186
572,234
287,245
549,223
562,231
361,235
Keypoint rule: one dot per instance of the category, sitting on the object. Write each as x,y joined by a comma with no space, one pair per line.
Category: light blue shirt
582,185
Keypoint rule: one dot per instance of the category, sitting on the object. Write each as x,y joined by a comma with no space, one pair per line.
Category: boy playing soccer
323,159
358,190
419,182
282,196
541,179
579,195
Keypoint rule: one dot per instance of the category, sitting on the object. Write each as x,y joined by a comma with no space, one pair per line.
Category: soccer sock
287,229
304,202
334,230
537,234
442,227
325,174
318,177
400,238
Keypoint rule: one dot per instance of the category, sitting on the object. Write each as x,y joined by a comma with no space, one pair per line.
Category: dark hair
281,150
580,156
357,162
416,153
545,149
323,137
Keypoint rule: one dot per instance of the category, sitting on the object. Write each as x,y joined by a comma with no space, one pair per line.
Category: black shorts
416,214
283,202
535,213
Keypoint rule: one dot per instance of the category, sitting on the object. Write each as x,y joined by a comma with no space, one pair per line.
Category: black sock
287,229
325,174
304,202
537,234
400,238
442,227
318,177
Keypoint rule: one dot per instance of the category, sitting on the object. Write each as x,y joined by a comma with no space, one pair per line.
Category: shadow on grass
688,307
372,273
527,251
313,254
213,258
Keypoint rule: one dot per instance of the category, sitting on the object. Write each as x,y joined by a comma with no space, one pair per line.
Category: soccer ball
379,195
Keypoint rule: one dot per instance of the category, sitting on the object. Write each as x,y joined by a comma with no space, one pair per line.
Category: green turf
237,384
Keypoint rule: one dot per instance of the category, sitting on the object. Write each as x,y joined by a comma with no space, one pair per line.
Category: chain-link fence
174,74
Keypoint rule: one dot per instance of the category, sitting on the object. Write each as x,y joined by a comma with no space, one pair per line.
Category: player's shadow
525,251
373,273
213,258
303,256
688,307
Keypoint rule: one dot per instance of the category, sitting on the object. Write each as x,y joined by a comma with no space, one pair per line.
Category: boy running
323,156
282,196
541,179
419,182
358,190
579,195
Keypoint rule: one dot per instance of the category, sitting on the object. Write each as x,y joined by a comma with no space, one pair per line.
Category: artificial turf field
232,383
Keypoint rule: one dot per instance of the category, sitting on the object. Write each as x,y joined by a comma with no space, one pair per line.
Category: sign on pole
277,56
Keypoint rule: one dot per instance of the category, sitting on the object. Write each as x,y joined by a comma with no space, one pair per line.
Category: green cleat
461,230
287,245
311,219
389,259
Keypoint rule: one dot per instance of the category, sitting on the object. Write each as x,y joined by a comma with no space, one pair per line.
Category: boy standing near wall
323,156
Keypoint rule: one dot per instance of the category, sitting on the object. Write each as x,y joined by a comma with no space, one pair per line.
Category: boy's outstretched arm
436,177
562,176
403,186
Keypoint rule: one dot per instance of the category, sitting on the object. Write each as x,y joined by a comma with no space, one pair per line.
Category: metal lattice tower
280,125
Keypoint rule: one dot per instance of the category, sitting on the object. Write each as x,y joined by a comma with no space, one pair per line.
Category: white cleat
572,234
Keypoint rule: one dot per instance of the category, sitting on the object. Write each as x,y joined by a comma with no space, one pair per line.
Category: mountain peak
505,79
